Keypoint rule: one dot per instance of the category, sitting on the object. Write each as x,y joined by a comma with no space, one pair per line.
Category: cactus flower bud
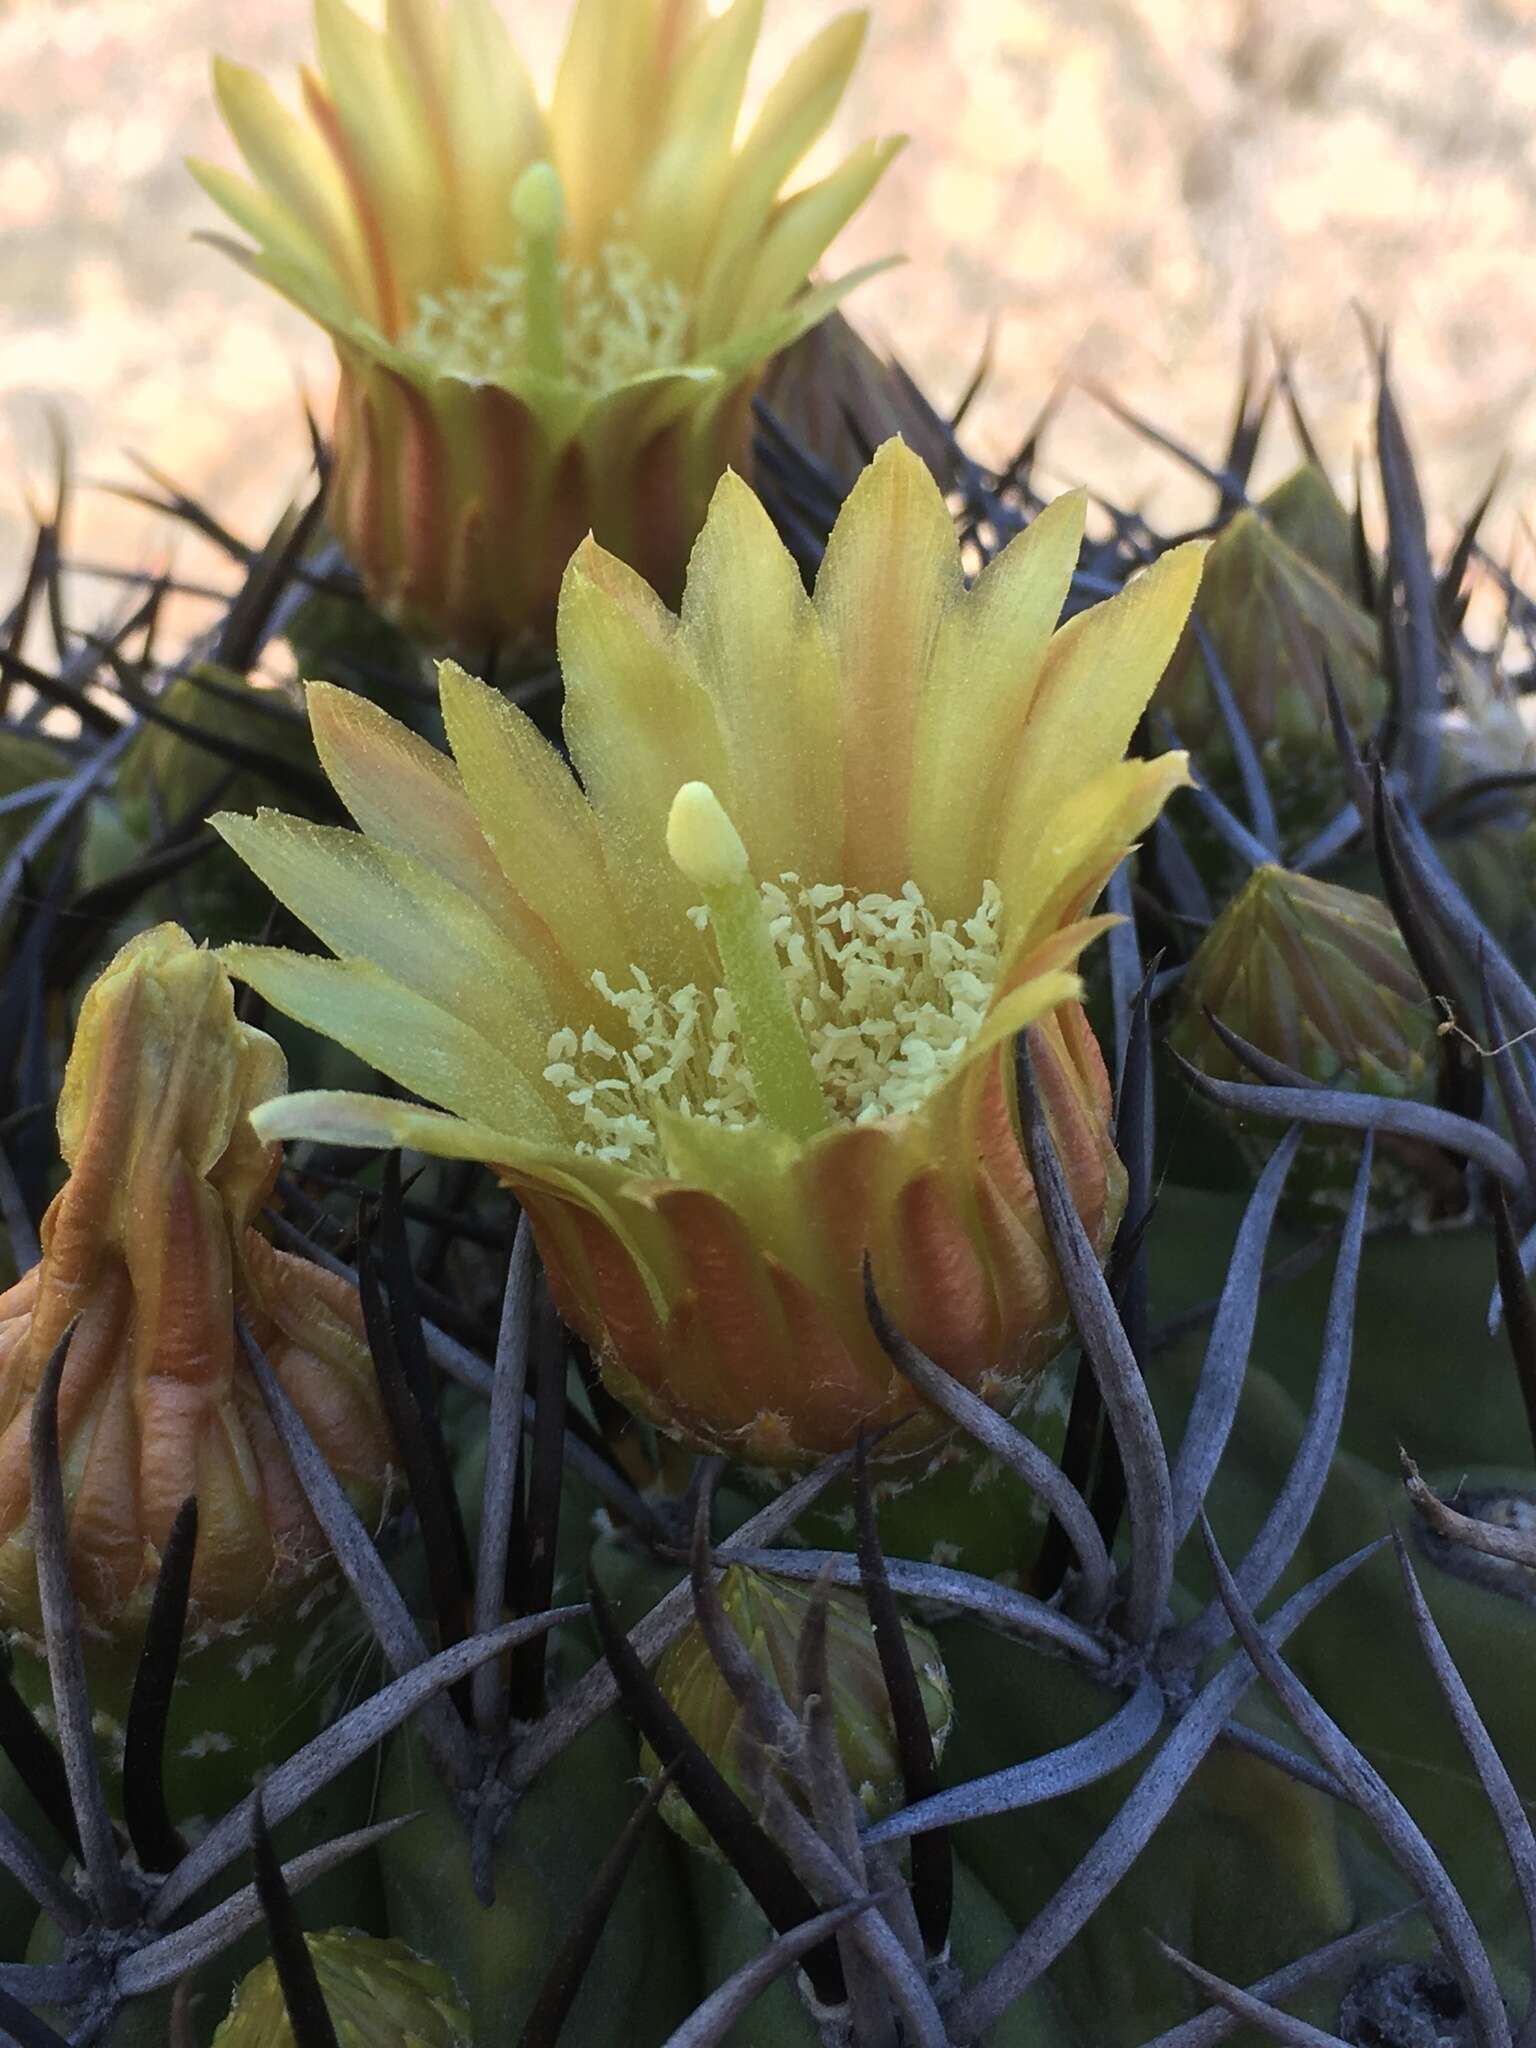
1306,512
380,1994
548,320
1317,976
735,1013
769,1615
1273,620
149,1251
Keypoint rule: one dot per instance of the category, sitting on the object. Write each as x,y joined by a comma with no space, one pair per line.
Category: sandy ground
1119,185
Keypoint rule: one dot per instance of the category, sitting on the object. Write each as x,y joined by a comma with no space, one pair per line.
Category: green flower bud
1306,512
1273,620
380,1993
166,771
769,1615
1317,976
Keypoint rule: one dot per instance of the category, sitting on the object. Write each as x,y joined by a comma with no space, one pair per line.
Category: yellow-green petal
759,652
890,575
976,700
413,1041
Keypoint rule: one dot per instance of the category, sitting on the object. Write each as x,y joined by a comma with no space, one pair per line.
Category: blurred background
1116,187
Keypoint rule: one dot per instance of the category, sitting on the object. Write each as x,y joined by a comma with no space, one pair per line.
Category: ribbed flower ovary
620,320
888,997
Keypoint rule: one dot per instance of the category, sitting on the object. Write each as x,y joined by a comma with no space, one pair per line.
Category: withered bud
149,1250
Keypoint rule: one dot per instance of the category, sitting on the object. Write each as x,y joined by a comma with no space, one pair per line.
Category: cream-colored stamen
616,318
887,996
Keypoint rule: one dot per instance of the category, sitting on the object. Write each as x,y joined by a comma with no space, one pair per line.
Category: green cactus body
732,1931
642,1980
963,1508
243,1695
1425,1375
379,1994
1194,1886
349,1895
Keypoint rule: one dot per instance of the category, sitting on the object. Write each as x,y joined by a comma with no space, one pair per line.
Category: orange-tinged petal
292,163
930,1276
890,576
739,1350
403,792
388,146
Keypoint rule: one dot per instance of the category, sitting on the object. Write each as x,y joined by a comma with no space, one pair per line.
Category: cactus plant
839,1520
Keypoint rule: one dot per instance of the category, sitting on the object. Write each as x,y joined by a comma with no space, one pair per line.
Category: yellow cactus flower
148,1250
735,1010
548,319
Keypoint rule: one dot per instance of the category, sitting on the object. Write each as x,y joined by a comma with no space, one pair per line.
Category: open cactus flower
548,319
149,1251
736,1012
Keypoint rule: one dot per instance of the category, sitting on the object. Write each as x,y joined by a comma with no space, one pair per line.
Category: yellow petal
497,126
793,116
286,253
1052,873
675,205
798,235
604,110
288,160
363,901
1093,687
976,701
539,824
412,1040
890,575
1015,1012
758,649
638,726
389,150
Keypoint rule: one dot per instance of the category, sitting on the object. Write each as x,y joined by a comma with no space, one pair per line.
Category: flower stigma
868,1001
594,324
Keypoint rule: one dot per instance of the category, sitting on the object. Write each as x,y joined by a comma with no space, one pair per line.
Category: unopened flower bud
1318,977
380,1994
1306,512
769,1615
1277,626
